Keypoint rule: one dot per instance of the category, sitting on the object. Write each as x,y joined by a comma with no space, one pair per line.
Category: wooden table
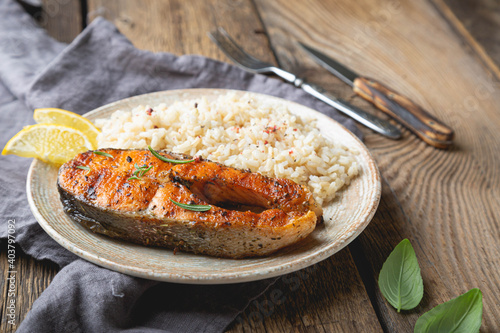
444,54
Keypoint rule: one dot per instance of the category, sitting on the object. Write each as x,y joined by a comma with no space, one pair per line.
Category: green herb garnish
97,152
194,208
140,171
400,280
462,314
83,167
164,159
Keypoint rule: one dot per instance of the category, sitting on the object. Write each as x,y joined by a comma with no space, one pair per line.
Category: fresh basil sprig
400,280
462,314
401,284
164,159
194,208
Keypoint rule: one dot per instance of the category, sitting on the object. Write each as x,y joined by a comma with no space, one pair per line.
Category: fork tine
235,52
229,46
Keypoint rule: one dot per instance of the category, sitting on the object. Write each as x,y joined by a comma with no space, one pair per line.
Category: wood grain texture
447,198
32,277
61,18
476,22
326,297
181,27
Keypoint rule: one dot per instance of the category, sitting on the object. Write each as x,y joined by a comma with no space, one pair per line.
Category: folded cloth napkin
98,67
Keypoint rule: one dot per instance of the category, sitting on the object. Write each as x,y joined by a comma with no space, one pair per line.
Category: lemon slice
67,118
50,143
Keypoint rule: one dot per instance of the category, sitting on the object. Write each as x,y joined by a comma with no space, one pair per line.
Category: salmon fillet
249,214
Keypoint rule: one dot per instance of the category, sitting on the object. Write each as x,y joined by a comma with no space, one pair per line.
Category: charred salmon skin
246,214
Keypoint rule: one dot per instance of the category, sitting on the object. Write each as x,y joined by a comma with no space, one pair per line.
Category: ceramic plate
344,218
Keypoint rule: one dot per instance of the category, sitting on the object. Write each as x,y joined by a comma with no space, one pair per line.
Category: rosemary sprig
194,208
164,159
83,167
140,171
97,152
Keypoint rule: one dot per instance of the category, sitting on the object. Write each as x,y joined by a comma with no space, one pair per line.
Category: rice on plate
242,132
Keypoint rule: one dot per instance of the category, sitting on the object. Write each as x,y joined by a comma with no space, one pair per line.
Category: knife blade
415,118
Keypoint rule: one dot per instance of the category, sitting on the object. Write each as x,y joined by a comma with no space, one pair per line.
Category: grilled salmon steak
135,196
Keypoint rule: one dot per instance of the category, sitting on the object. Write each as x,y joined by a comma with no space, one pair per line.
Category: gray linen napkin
101,66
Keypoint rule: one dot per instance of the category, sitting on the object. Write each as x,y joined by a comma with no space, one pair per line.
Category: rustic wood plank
174,26
476,22
326,297
181,27
31,279
446,198
62,19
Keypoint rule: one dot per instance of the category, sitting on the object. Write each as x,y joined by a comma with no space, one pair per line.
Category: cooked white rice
241,132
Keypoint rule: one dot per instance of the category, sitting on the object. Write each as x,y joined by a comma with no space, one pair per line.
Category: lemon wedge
67,118
54,144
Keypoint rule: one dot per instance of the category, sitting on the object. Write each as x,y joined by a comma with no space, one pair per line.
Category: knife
408,113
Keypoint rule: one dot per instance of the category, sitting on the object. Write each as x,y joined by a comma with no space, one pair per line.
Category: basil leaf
400,280
194,208
462,314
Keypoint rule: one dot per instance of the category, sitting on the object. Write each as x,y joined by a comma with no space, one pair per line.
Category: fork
244,60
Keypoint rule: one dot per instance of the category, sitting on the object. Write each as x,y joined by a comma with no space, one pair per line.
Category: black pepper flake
195,105
129,159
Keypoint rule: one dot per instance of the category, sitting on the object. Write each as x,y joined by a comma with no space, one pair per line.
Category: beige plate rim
162,264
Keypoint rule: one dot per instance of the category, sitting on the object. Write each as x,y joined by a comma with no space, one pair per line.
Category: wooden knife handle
428,128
